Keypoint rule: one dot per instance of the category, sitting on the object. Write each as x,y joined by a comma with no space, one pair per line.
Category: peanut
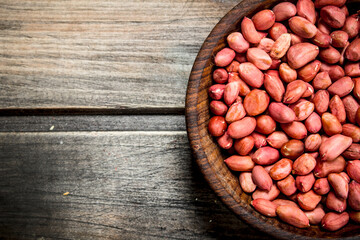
287,74
264,207
220,75
249,31
281,169
321,186
334,147
302,27
281,113
305,183
335,203
302,109
323,169
313,123
287,185
352,131
259,58
284,11
354,195
292,149
312,142
306,9
304,164
244,145
331,124
339,184
264,19
281,46
294,91
277,139
251,74
309,71
277,30
301,54
265,156
217,126
242,128
266,44
293,216
353,169
274,85
333,16
261,178
337,108
237,42
259,140
341,87
240,163
315,215
246,182
308,200
334,221
265,124
224,57
256,102
296,130
269,195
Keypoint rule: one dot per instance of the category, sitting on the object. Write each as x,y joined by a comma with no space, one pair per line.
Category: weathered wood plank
122,185
92,123
101,53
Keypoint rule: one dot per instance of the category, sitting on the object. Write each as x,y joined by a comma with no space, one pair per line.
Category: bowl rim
193,132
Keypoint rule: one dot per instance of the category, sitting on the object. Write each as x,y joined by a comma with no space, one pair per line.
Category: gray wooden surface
93,141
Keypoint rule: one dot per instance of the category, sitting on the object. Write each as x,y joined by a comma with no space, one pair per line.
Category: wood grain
92,123
122,185
101,54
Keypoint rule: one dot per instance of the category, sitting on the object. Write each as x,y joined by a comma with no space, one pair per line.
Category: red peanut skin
235,113
302,27
269,195
237,42
356,90
351,26
323,3
351,106
218,108
217,126
260,140
335,71
266,156
249,31
321,186
353,152
216,91
315,215
353,170
323,169
251,74
337,108
335,203
240,163
242,128
352,70
246,182
244,145
261,178
287,185
274,85
231,92
306,9
312,142
333,16
301,54
292,149
266,44
304,164
303,109
308,200
225,141
321,39
309,71
354,195
352,131
277,30
224,57
353,51
321,101
220,75
341,87
313,123
265,124
256,102
284,202
331,124
334,221
305,183
334,147
339,184
293,215
284,11
281,169
339,38
264,207
277,139
259,58
330,55
264,19
233,66
294,91
281,113
287,74
296,130
322,81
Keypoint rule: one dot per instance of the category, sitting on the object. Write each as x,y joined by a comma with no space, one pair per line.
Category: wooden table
93,142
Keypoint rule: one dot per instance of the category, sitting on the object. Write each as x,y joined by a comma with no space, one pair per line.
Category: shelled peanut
285,105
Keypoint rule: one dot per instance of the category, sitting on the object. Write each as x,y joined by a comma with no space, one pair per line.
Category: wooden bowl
208,155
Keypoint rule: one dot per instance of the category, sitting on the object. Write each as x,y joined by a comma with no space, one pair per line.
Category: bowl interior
209,156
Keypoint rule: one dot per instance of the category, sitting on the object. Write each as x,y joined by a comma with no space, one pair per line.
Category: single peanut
218,108
235,113
335,203
242,128
249,31
309,71
224,57
231,92
281,46
287,185
352,131
246,182
304,164
277,139
312,142
321,39
334,221
337,108
356,90
293,216
237,42
353,51
334,147
308,200
259,58
264,207
287,74
244,145
284,11
321,186
303,109
339,184
296,130
341,87
315,216
323,27
292,149
217,126
274,85
266,44
301,54
265,124
259,140
351,26
302,27
353,152
251,74
339,38
281,169
313,123
225,141
354,195
277,30
322,81
233,67
294,91
295,39
352,69
333,16
323,169
216,91
321,101
353,169
220,75
281,113
264,19
331,124
261,178
305,183
330,55
239,163
266,156
306,9
256,102
351,106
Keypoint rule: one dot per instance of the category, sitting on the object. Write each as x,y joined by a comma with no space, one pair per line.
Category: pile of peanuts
285,105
